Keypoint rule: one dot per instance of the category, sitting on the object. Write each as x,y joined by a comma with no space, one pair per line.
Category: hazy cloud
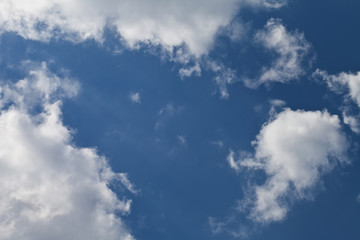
135,97
167,112
224,76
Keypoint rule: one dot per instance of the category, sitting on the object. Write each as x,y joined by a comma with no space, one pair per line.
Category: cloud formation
135,97
294,149
352,121
164,23
341,82
290,47
224,76
50,188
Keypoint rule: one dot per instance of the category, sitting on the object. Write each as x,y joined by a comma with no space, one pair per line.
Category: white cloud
358,198
223,77
189,71
165,23
275,105
294,150
291,48
353,122
338,83
50,188
135,97
39,85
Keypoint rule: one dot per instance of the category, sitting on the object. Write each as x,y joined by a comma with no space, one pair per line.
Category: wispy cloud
224,76
182,140
291,49
189,71
167,112
349,82
218,143
135,97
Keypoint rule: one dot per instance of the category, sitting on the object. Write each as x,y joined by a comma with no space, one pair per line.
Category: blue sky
234,119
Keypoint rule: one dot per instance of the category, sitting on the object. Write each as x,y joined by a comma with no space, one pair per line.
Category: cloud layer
162,23
294,150
51,189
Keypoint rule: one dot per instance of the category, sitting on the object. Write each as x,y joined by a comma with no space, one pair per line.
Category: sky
208,119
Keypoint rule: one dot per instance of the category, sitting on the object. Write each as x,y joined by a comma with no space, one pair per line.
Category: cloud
217,143
294,149
291,49
224,76
182,140
39,85
342,82
168,24
50,188
189,71
216,227
135,97
352,121
167,112
236,31
358,198
275,105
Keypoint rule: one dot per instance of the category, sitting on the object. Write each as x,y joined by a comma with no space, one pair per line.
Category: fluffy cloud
51,189
291,49
294,149
341,82
352,121
166,23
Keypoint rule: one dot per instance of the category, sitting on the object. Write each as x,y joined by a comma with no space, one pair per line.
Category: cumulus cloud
50,188
135,97
341,82
294,150
290,47
162,23
352,121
